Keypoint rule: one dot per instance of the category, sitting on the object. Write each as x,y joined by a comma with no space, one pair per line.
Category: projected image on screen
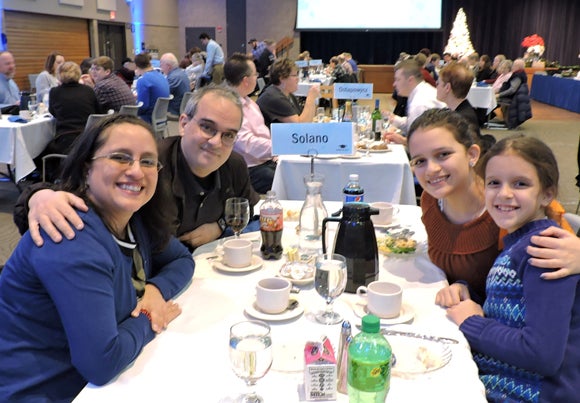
368,14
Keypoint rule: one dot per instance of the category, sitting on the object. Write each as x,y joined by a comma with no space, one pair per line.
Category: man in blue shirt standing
177,79
214,61
9,92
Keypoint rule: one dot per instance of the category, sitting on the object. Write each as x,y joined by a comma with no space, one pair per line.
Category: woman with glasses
277,102
81,310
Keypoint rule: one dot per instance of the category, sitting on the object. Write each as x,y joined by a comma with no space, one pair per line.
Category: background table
21,142
189,361
384,176
557,91
482,97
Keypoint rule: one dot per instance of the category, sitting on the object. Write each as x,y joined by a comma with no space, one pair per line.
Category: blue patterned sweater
527,346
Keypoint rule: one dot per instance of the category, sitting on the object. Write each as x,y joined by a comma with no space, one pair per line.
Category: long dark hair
76,166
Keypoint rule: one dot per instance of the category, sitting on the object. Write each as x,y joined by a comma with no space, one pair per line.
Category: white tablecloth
482,97
384,176
21,142
189,361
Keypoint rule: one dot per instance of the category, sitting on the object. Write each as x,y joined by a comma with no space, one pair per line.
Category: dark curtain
495,26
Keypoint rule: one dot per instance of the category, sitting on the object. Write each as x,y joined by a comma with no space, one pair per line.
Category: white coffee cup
273,294
385,216
238,252
384,299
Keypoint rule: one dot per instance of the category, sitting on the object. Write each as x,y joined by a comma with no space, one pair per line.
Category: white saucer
254,312
256,264
354,156
406,315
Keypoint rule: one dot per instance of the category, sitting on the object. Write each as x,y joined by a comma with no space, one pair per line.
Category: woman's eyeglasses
127,160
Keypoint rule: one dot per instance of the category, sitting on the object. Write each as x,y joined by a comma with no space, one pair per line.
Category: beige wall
165,20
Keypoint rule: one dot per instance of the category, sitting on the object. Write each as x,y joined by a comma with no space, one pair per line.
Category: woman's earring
471,164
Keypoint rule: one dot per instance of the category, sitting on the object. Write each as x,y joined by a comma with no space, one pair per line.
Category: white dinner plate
327,156
354,156
418,356
406,315
256,264
255,312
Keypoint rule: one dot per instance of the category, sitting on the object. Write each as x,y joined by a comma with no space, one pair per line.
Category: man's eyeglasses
127,160
228,137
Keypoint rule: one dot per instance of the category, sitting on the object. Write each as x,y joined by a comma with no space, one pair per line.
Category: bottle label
367,376
271,221
354,198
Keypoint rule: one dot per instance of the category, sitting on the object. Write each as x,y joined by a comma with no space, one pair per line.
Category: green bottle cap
371,324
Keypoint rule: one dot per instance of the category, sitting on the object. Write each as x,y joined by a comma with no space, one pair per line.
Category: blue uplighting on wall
3,44
137,21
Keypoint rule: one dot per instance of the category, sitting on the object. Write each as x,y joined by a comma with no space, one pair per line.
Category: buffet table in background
385,176
557,91
189,361
21,142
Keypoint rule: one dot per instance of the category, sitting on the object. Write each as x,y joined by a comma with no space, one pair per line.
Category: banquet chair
32,80
159,116
132,110
327,92
186,97
47,157
95,118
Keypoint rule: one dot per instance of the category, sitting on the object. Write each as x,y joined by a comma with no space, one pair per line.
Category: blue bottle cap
371,324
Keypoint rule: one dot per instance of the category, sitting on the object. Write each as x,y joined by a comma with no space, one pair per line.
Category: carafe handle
324,221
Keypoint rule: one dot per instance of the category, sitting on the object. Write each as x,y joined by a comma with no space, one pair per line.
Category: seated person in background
9,91
254,141
150,86
421,96
427,76
435,61
452,88
82,310
348,57
473,62
494,68
266,59
111,91
86,78
277,102
504,71
127,71
195,70
485,72
200,172
47,78
177,80
71,103
514,97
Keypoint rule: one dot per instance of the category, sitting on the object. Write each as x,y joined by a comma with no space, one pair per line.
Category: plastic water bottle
353,192
271,226
369,364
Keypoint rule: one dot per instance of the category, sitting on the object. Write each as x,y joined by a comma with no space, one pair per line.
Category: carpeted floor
560,129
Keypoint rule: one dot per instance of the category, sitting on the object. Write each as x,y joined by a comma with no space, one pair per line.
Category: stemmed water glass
237,214
250,355
330,281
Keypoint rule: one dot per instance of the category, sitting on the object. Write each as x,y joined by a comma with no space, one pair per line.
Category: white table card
312,138
353,91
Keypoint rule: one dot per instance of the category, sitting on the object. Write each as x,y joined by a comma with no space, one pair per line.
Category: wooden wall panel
31,37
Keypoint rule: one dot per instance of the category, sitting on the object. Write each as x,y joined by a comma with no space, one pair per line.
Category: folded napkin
17,119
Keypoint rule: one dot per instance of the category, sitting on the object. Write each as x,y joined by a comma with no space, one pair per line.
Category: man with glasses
111,91
9,92
199,173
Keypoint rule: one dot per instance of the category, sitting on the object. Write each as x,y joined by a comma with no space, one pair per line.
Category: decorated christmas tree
459,43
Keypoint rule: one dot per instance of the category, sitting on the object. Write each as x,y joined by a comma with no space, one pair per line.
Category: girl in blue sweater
526,337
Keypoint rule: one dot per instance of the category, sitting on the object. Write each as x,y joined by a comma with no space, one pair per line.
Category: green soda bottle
369,364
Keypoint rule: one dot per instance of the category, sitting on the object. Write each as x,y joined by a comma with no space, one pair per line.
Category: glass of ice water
330,282
250,355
